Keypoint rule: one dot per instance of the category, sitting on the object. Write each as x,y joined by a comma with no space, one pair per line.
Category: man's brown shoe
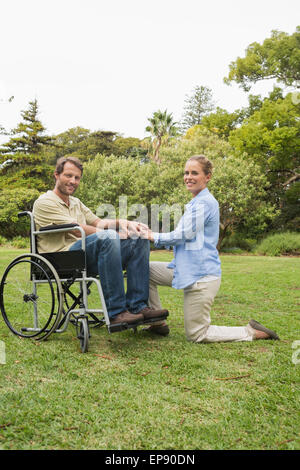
150,313
127,317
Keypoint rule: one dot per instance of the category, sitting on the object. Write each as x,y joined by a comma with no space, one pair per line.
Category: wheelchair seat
67,264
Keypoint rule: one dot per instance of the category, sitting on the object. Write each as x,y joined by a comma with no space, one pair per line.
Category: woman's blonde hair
206,164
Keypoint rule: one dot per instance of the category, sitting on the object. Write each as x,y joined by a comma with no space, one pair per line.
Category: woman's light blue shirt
194,240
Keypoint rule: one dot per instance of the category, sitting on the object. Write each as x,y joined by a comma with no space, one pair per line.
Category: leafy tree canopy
197,105
271,138
221,122
271,135
30,133
240,187
278,57
87,144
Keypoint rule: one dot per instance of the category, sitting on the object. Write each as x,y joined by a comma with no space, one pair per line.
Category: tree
69,142
240,187
22,179
12,201
200,140
129,147
23,171
106,179
269,134
221,122
31,134
271,138
97,142
277,58
161,127
196,106
86,144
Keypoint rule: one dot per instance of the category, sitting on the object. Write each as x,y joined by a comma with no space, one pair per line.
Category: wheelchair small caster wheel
83,334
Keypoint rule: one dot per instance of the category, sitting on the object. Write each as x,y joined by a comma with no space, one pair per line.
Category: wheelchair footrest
153,320
119,327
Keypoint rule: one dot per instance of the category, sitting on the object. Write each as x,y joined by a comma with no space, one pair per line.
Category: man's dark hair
63,160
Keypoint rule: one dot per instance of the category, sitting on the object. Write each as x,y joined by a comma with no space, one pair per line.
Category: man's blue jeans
107,255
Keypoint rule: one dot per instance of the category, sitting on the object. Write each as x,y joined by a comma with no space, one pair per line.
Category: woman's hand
131,229
146,233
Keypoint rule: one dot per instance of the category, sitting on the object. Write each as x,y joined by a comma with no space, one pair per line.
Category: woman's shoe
162,330
258,326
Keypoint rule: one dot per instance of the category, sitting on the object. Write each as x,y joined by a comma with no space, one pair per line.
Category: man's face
68,181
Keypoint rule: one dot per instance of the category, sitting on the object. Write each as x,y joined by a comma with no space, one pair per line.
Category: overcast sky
109,64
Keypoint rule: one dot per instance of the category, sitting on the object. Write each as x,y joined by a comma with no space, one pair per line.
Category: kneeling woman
196,267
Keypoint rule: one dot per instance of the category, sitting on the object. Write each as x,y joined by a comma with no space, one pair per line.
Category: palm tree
162,127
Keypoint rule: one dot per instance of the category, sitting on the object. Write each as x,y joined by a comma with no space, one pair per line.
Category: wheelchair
37,295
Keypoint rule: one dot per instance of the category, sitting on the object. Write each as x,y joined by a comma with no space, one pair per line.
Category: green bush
16,242
233,250
3,241
12,201
238,241
280,244
20,242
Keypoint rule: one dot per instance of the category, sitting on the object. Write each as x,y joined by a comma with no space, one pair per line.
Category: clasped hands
132,229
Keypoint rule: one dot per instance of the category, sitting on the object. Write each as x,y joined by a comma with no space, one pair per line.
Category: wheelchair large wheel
31,297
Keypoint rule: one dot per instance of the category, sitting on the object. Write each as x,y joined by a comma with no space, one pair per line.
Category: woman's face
194,177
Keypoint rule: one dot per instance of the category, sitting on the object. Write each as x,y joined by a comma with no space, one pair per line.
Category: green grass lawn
131,391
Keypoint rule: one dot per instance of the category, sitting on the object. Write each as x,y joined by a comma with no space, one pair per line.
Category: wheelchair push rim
31,297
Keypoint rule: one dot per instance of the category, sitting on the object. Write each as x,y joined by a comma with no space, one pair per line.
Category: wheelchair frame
45,270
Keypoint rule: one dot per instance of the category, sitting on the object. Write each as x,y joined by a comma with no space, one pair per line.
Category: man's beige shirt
50,209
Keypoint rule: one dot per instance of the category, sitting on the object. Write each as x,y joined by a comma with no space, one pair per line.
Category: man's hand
89,230
130,229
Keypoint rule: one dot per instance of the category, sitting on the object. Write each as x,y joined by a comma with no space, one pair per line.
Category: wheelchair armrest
62,228
58,226
23,214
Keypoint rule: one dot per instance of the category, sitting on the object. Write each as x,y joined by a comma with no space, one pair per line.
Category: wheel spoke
30,308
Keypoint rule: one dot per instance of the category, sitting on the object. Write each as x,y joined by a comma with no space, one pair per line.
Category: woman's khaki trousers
198,300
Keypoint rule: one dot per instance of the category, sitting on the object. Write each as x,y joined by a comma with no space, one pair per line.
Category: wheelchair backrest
68,264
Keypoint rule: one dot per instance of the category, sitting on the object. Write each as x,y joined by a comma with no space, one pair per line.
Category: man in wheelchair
111,246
